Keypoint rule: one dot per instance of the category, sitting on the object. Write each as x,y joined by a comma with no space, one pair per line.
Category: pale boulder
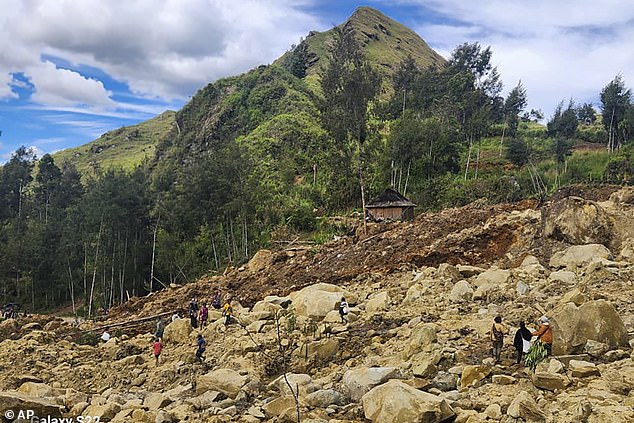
13,400
578,221
378,303
579,256
524,406
315,301
471,375
260,261
35,389
398,402
493,276
575,296
105,412
565,277
580,368
177,332
357,382
447,271
414,293
323,398
461,292
596,320
226,381
322,350
422,337
269,309
549,381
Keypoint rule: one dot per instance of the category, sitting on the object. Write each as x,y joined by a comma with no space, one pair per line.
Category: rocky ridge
422,296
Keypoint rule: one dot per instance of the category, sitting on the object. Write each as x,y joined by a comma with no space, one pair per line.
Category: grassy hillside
123,148
385,41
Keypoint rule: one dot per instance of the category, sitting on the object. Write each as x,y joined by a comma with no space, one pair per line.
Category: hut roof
390,198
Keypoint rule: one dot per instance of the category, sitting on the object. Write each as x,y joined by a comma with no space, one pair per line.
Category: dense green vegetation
264,156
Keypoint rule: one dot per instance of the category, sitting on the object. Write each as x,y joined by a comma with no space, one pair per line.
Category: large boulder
422,337
377,303
579,256
297,380
398,402
104,412
16,401
493,276
461,292
596,320
315,301
35,389
226,381
578,221
549,381
321,350
524,406
177,332
323,398
357,382
260,261
471,375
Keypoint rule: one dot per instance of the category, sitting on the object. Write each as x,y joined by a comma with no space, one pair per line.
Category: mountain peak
385,41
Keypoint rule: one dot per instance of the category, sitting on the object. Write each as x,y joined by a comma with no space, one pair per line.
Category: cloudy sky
73,69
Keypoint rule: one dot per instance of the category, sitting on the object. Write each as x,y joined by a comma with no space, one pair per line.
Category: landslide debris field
423,295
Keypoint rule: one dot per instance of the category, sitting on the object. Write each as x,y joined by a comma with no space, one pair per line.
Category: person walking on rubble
202,344
158,348
204,314
544,334
498,330
160,328
344,309
522,341
227,311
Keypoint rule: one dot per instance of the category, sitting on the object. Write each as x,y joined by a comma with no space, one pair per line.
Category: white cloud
558,49
161,48
63,87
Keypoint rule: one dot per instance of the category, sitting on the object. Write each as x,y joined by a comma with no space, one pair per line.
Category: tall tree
348,84
514,104
474,86
562,128
615,100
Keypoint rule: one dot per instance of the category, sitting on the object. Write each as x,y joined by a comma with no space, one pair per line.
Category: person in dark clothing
193,312
202,344
522,341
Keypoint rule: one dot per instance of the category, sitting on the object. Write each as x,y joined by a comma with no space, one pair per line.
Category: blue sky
71,70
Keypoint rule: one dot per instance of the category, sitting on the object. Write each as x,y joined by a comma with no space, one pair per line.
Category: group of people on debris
522,339
198,318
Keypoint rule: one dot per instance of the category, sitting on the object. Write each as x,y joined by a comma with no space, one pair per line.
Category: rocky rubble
415,349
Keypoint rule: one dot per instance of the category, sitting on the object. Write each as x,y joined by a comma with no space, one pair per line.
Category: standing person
344,309
544,334
158,347
216,302
160,328
498,330
202,344
227,311
204,313
522,341
193,312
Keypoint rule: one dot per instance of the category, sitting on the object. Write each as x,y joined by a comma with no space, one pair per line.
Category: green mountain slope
385,42
235,106
122,148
